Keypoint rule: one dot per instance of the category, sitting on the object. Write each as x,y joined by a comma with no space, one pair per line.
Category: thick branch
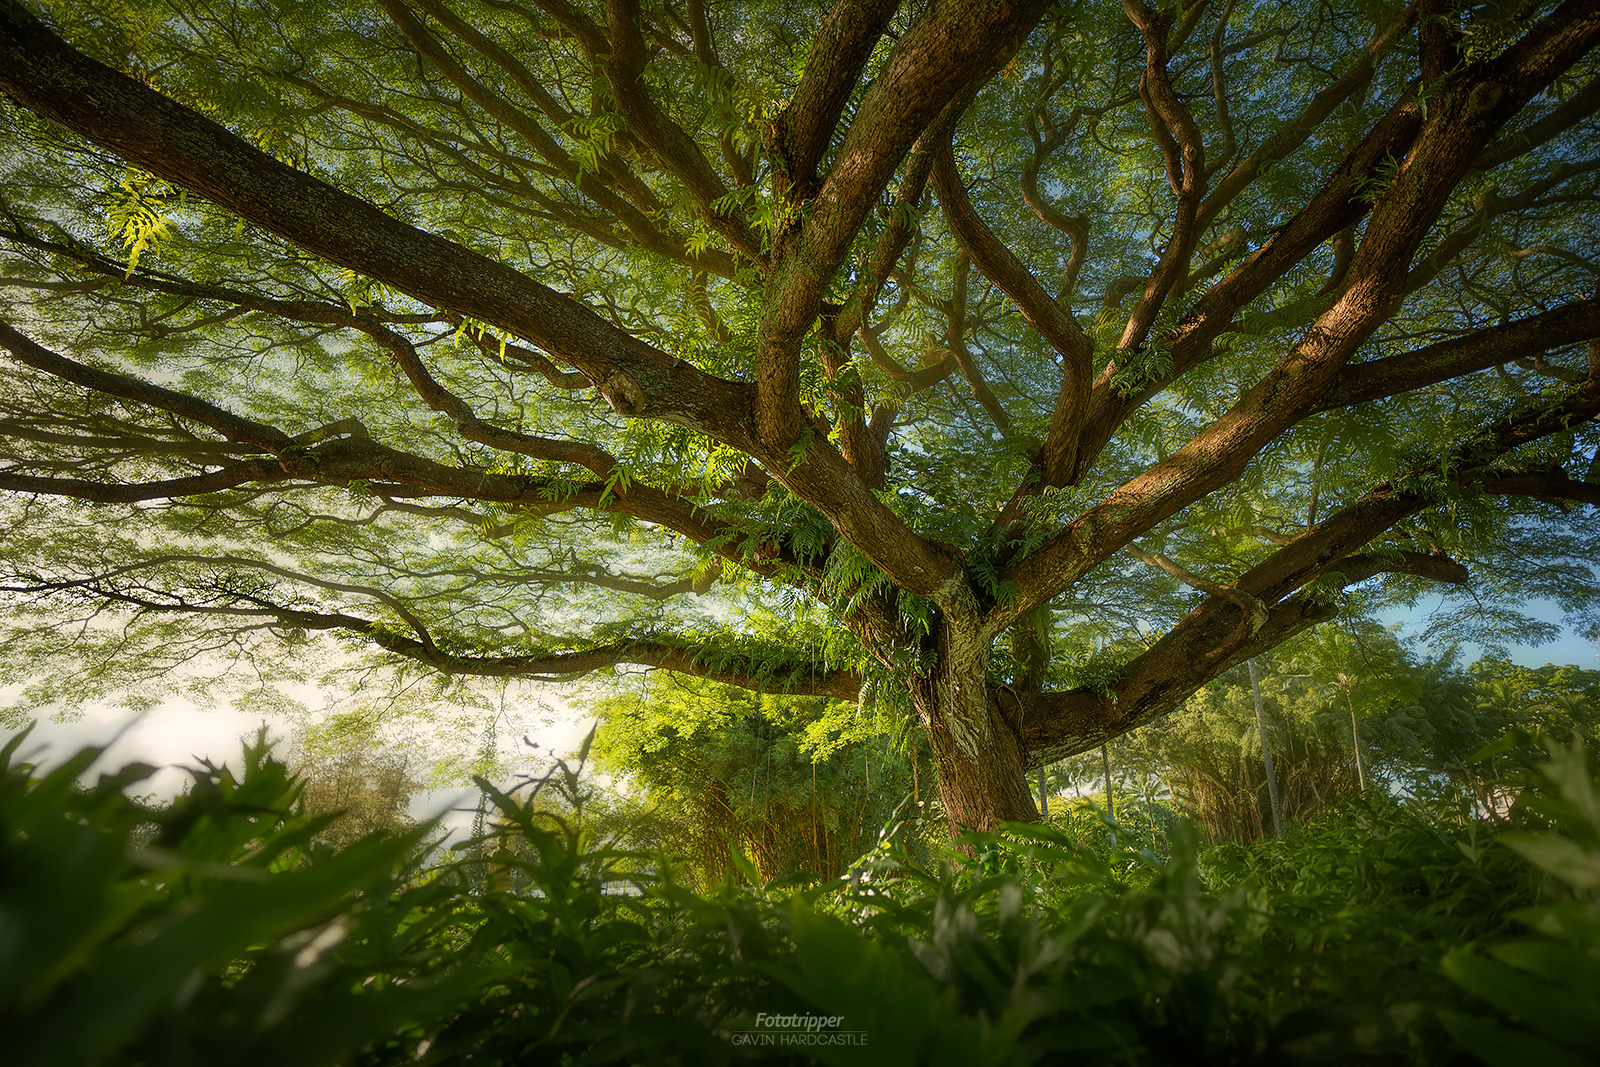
1552,485
1219,634
43,74
253,472
843,44
1479,350
953,48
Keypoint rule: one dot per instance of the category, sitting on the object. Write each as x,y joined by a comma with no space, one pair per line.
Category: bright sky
176,734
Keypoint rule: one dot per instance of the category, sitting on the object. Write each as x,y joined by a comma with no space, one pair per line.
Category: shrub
1386,932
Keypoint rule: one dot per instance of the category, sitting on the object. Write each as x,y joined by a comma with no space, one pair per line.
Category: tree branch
1054,322
674,149
233,427
1491,346
843,44
232,477
1550,485
1354,80
1180,142
42,73
799,679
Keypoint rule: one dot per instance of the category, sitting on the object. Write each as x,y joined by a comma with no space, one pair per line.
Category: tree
346,773
1345,669
710,769
1271,742
495,334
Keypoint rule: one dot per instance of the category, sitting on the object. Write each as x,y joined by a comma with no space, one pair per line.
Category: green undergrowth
1387,932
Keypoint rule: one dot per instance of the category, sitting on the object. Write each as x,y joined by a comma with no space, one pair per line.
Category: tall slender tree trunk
1266,753
1044,797
1355,734
1105,766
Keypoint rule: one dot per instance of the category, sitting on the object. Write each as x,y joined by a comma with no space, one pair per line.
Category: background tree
1342,669
1421,733
345,772
708,770
495,334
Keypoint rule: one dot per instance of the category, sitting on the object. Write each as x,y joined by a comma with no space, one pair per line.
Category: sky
1569,648
177,734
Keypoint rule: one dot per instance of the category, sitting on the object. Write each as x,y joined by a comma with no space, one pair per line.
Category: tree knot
1484,97
623,394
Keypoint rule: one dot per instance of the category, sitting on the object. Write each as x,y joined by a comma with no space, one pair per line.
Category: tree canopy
1018,365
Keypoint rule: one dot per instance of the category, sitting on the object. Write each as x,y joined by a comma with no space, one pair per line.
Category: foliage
813,348
1377,933
795,784
1544,991
1421,722
365,787
134,935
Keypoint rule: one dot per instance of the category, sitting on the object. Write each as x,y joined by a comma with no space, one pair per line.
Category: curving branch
951,49
1058,456
235,428
230,477
1572,110
674,149
799,679
1491,205
1352,82
955,338
1184,150
898,234
42,73
1334,207
1460,121
913,381
342,453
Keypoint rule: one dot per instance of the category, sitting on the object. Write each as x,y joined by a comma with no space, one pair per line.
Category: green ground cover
1385,931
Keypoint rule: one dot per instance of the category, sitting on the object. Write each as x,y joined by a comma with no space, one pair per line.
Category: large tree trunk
977,744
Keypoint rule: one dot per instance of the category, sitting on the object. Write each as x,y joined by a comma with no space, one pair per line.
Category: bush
1387,932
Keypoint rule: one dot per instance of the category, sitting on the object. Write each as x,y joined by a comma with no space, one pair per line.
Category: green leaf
1499,1047
1555,1012
1568,966
1575,864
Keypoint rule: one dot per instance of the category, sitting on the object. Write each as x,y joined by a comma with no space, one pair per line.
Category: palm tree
1363,670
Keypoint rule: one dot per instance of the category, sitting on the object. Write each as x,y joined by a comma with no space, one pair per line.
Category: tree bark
976,737
1266,752
1355,737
